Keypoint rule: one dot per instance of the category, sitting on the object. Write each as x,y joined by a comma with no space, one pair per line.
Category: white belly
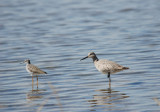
101,69
31,73
106,66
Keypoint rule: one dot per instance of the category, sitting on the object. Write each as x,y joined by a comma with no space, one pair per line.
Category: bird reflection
33,82
35,94
108,97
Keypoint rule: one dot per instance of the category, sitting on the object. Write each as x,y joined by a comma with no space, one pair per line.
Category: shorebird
33,70
105,66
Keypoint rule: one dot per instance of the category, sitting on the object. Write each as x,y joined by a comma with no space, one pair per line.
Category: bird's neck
29,62
95,59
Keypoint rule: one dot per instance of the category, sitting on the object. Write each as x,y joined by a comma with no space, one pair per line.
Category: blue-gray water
56,34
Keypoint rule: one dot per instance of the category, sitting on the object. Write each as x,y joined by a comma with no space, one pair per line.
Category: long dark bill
84,58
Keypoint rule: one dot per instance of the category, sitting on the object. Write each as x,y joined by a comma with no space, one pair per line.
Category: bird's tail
125,68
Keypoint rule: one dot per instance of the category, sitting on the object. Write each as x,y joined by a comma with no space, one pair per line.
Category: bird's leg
109,76
37,82
32,82
109,80
109,85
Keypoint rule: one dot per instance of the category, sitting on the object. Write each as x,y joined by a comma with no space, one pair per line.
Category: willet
33,70
105,66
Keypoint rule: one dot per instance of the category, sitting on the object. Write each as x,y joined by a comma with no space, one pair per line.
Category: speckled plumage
105,66
34,70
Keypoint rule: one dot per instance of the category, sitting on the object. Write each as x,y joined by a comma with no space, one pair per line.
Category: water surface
55,35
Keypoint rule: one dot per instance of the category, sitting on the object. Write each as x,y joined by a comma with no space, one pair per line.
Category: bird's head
90,55
27,61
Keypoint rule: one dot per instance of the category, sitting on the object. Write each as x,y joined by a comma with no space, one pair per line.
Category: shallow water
55,35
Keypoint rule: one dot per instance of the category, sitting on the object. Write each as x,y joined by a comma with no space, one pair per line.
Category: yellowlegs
33,70
105,66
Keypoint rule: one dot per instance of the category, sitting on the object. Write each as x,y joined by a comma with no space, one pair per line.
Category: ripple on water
55,35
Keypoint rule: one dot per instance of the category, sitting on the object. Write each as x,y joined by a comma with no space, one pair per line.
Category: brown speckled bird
33,70
105,66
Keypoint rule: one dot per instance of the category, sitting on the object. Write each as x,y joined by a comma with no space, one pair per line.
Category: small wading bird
105,66
33,70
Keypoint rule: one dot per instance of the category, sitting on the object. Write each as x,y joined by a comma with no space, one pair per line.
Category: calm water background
56,34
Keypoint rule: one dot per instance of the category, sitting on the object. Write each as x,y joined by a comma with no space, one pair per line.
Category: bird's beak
84,58
22,62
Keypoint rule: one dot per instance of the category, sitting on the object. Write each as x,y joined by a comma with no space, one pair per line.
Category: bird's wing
107,65
35,69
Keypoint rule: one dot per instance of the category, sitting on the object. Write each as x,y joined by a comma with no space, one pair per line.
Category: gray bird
33,70
105,66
